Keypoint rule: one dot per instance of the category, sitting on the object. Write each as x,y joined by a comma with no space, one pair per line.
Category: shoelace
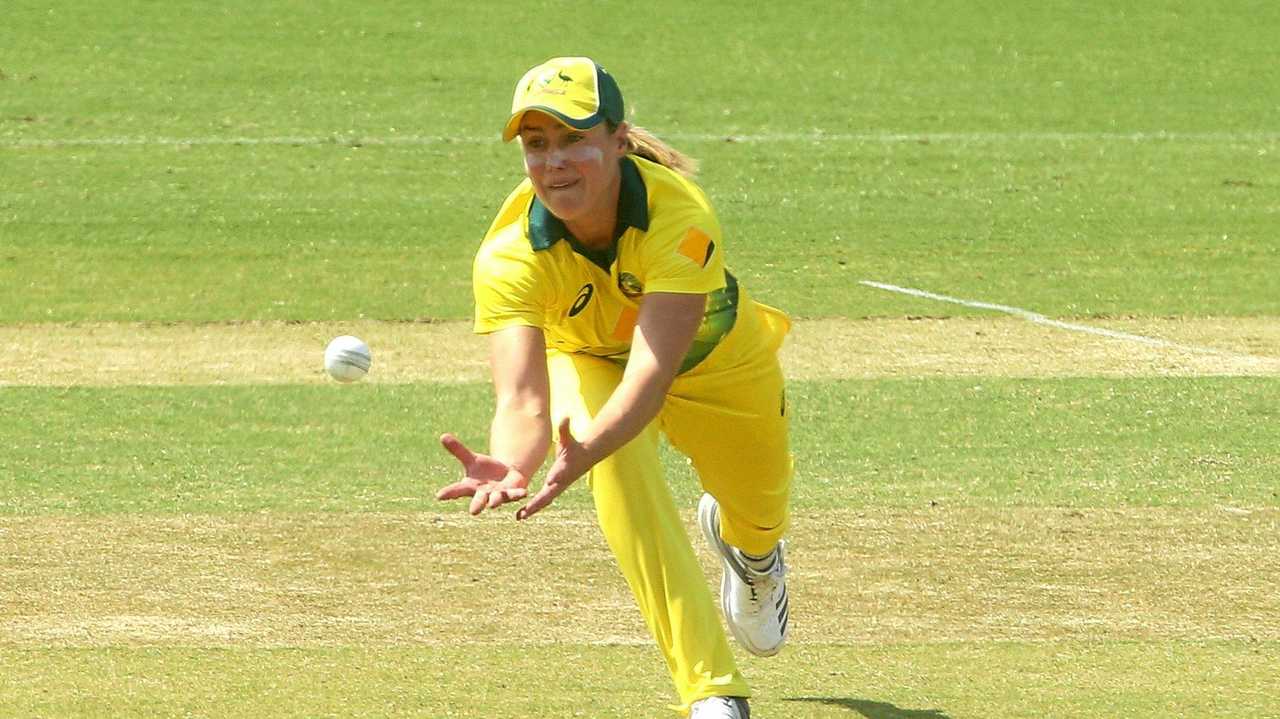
750,576
760,585
758,582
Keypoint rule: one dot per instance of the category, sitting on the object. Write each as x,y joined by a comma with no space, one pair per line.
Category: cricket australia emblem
630,284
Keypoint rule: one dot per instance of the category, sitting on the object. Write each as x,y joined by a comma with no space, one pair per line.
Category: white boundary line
1040,319
349,140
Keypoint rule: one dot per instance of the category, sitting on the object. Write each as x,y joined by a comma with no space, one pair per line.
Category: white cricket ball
347,358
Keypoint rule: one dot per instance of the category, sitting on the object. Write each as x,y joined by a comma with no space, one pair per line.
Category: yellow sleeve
684,254
509,289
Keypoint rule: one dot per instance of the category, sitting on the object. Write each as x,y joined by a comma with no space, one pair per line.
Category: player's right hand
489,482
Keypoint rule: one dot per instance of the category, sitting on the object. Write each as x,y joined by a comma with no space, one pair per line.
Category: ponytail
645,144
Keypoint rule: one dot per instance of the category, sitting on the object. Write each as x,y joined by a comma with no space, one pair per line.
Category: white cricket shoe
720,708
754,602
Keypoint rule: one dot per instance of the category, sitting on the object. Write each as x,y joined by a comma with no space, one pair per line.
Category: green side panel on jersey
721,314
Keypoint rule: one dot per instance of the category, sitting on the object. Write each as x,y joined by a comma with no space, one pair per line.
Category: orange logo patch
626,324
697,246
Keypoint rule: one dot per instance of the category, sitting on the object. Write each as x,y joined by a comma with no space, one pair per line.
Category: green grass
137,68
984,441
1089,224
899,681
1076,159
1083,227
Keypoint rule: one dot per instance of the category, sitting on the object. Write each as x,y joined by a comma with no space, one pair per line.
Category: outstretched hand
489,482
572,461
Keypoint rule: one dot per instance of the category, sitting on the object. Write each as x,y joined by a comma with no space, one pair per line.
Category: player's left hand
488,481
571,462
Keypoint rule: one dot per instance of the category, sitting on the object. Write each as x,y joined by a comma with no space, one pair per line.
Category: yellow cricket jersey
530,271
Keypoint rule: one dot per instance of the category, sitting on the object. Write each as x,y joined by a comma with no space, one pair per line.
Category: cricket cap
574,90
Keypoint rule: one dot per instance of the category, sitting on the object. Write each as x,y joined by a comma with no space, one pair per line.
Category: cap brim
513,123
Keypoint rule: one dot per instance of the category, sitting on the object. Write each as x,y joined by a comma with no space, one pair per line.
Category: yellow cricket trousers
728,416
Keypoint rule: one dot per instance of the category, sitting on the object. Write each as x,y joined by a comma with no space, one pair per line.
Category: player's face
574,172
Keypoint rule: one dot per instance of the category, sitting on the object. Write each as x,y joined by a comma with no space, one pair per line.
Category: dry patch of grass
895,575
1010,347
290,353
237,353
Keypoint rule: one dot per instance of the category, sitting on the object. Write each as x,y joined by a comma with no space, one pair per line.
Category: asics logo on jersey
584,296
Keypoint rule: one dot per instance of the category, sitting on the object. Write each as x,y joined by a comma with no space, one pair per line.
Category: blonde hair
647,145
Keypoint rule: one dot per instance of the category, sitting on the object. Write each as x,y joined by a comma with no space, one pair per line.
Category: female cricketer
612,318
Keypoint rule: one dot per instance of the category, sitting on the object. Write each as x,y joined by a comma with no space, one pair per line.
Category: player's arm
520,432
664,331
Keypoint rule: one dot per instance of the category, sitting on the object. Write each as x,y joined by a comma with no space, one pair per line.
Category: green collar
545,229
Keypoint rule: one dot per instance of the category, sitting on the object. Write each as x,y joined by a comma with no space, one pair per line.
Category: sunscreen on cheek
584,153
538,159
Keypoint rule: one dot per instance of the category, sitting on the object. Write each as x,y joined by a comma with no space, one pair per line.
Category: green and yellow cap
574,90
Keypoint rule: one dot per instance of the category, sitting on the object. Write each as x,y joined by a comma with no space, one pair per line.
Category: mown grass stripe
746,137
931,574
515,680
272,353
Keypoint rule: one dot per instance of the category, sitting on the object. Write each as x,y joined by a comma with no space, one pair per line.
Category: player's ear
622,136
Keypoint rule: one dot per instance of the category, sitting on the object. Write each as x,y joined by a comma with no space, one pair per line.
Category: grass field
1054,494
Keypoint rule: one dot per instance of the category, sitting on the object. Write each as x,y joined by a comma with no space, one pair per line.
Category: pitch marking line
1040,319
883,137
